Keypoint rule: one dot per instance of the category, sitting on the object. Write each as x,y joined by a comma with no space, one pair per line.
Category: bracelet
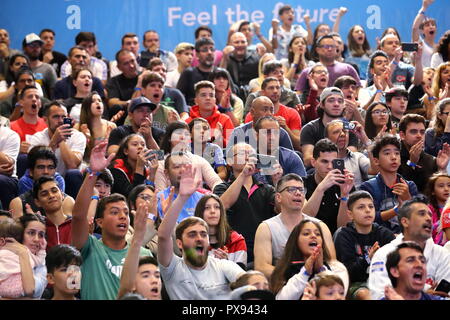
151,216
411,164
92,173
396,209
294,65
149,183
379,91
422,12
343,198
95,198
395,62
137,89
431,98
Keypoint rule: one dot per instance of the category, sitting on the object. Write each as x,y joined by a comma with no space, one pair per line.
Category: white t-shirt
210,283
172,79
10,144
76,143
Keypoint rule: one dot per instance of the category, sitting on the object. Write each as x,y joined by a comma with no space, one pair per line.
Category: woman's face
443,115
211,214
34,236
442,189
445,76
259,281
97,106
358,35
144,197
320,76
380,115
428,75
180,136
323,30
83,82
298,46
19,62
309,239
221,84
135,146
201,131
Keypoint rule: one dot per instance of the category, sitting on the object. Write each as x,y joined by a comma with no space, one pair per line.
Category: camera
159,154
349,125
410,46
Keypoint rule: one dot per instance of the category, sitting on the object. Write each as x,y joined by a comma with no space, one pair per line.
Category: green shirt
101,269
161,117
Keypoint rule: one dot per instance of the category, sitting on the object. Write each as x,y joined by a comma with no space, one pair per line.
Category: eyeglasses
293,190
321,72
327,46
145,197
379,112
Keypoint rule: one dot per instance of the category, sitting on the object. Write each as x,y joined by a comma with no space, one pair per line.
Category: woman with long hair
304,256
224,242
442,53
439,134
297,60
378,120
440,89
82,80
359,50
438,191
91,123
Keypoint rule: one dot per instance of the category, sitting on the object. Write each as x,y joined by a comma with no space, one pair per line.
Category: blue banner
176,20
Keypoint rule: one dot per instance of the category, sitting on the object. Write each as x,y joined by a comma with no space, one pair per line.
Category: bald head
261,106
239,42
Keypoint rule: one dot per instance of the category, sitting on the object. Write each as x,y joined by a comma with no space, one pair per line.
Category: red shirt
213,120
293,120
24,129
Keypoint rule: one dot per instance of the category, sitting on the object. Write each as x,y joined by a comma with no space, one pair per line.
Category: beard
193,258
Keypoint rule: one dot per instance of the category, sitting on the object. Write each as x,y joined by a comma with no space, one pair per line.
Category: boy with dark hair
327,188
415,163
388,189
397,101
63,271
357,242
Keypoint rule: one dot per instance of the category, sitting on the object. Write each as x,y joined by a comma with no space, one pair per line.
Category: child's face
442,189
66,280
363,212
388,158
333,292
148,282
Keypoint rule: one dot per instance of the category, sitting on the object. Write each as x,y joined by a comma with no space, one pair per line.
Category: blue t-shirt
188,208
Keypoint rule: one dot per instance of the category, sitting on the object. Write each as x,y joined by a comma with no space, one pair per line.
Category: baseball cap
141,101
30,38
329,91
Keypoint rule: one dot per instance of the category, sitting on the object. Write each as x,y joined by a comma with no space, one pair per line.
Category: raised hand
443,157
401,189
118,116
190,180
166,202
373,249
98,161
310,291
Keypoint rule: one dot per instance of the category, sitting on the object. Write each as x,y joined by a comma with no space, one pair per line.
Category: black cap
141,101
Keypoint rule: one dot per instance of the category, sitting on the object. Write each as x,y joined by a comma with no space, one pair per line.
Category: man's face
333,106
324,163
290,201
43,167
415,132
242,153
419,226
103,188
320,76
268,136
239,42
161,70
327,49
139,115
128,65
277,73
115,220
398,104
89,46
185,58
390,45
206,99
388,158
49,40
411,271
4,37
174,172
204,34
154,91
33,50
363,212
272,91
261,108
195,242
49,197
339,46
338,135
131,44
78,58
31,103
380,64
429,28
349,91
247,31
148,281
206,55
25,80
151,41
287,17
55,118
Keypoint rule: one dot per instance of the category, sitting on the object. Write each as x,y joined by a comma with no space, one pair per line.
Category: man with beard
331,107
44,73
102,259
209,278
67,143
5,51
173,167
204,48
416,224
152,45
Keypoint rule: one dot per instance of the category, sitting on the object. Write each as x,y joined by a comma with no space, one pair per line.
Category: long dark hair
302,64
355,49
121,152
369,126
165,142
292,253
442,46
